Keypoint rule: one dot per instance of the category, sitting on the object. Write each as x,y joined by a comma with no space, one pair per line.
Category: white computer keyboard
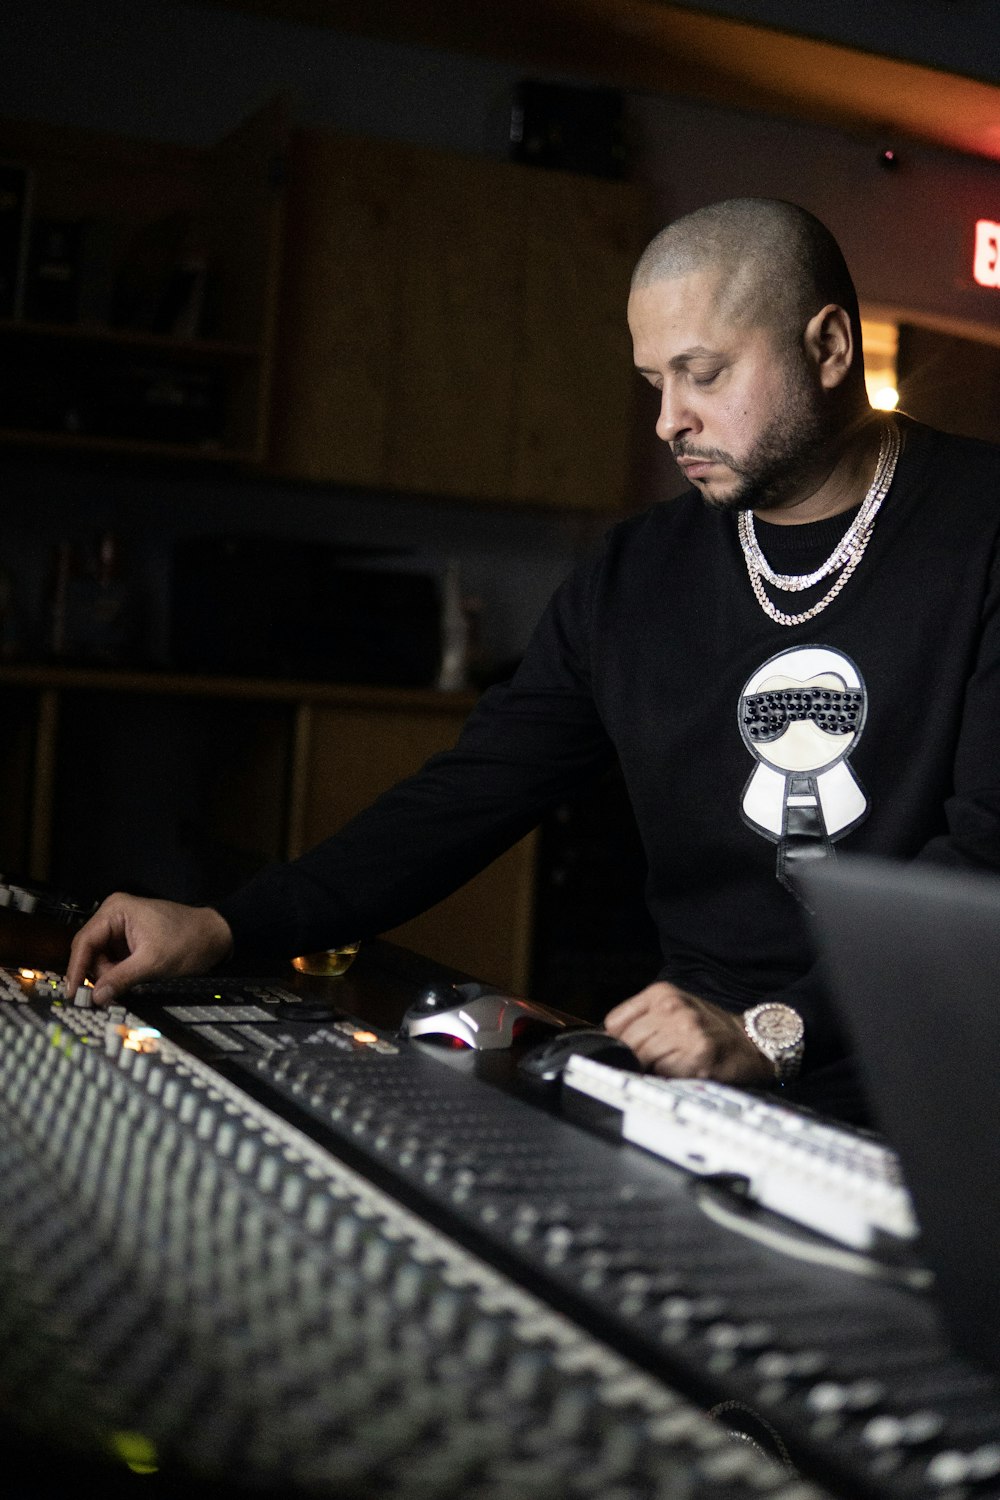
835,1181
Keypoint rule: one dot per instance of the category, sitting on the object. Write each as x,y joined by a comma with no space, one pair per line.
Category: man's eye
705,377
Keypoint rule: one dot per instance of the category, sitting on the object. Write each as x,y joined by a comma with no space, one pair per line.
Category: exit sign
986,261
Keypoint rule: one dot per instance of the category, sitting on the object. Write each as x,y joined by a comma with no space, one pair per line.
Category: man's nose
675,417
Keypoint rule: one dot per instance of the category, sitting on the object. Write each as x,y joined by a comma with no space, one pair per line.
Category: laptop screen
913,958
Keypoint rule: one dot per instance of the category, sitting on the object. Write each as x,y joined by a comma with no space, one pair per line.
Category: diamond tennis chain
846,555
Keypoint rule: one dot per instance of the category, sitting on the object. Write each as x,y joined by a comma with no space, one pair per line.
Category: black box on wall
271,607
568,128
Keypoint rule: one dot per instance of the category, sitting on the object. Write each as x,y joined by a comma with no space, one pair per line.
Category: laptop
913,959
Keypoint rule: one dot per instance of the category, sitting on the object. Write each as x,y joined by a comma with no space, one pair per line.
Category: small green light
135,1451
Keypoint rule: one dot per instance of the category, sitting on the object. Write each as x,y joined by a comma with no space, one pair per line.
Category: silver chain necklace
846,554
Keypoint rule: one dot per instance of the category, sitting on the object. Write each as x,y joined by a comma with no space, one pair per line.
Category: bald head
776,264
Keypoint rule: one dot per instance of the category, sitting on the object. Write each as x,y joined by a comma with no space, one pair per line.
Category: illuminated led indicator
885,398
139,1038
365,1036
28,974
986,263
135,1451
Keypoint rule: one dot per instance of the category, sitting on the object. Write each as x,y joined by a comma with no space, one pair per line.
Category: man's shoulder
961,458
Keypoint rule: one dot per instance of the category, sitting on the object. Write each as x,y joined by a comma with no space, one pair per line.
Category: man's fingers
675,1046
660,997
680,1036
616,1020
129,939
91,941
113,979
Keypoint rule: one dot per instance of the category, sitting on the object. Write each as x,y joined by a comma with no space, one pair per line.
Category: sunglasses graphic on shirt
767,715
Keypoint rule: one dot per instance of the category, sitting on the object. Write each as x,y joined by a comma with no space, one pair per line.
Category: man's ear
829,343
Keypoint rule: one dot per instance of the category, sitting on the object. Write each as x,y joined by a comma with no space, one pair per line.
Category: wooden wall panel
455,326
339,309
353,755
575,395
244,221
459,327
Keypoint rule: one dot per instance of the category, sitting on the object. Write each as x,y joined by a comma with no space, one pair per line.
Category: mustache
704,455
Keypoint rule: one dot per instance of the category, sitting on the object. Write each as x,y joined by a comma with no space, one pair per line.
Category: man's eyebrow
697,352
685,357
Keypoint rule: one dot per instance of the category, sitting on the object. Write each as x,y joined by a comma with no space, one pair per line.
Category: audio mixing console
253,1240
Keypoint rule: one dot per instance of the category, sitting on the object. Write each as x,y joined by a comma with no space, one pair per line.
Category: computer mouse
547,1062
474,1015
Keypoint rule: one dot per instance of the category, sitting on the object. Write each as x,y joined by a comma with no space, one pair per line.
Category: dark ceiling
651,45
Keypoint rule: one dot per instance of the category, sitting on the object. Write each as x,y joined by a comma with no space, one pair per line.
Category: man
799,653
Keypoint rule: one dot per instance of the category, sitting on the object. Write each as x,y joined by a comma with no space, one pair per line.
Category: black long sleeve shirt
648,652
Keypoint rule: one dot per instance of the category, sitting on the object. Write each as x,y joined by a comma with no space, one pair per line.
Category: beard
786,453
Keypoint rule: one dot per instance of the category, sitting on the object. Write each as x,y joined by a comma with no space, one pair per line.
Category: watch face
778,1026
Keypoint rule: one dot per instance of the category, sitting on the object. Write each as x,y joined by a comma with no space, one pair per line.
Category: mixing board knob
156,1076
742,1337
171,1093
911,1431
319,1213
268,1174
205,1124
791,1365
951,1468
688,1310
141,1066
188,1107
84,997
830,1398
247,1155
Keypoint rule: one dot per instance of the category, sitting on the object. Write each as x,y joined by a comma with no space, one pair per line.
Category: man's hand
679,1036
129,939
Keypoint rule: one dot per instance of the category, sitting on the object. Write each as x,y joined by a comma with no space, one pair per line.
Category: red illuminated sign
986,262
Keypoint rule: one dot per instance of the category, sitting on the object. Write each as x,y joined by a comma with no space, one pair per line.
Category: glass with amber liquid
329,963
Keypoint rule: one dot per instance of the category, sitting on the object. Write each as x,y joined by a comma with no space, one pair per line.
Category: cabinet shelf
195,782
211,350
128,447
114,223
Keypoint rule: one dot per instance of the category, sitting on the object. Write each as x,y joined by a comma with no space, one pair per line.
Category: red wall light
986,261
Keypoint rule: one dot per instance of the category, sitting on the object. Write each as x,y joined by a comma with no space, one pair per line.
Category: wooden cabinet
375,314
168,258
576,381
183,786
454,326
337,310
347,755
453,372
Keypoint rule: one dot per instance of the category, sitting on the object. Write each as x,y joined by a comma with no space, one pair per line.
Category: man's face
742,413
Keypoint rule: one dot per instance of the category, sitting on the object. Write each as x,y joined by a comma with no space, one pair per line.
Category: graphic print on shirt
800,715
